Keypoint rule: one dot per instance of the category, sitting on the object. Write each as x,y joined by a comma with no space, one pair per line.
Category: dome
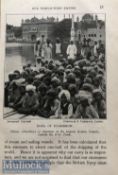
34,19
87,17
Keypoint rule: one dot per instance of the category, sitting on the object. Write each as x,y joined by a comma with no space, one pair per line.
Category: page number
101,6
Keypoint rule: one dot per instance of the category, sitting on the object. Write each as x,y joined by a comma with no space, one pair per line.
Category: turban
42,87
69,66
30,88
52,93
17,72
83,95
56,80
39,76
71,75
82,62
77,67
88,80
61,68
38,39
19,81
99,77
68,71
72,87
101,65
66,93
42,70
87,86
97,92
57,62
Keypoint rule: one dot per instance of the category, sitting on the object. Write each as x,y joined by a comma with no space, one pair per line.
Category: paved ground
10,114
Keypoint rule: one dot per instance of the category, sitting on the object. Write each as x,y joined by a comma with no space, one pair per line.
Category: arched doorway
33,37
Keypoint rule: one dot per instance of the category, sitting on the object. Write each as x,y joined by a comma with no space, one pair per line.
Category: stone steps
11,114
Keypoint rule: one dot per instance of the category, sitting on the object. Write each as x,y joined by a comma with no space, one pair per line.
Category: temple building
10,36
35,28
90,27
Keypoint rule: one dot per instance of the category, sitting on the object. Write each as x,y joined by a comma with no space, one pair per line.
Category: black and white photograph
55,67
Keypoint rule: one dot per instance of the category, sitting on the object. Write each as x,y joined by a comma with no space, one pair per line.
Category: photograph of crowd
55,67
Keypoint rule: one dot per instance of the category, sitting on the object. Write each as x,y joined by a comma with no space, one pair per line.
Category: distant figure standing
95,49
71,51
37,48
58,47
83,50
84,41
43,42
48,50
91,46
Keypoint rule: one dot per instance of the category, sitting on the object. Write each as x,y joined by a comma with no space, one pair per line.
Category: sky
16,10
15,19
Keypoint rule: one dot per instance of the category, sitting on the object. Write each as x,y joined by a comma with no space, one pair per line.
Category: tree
9,27
62,29
15,29
18,32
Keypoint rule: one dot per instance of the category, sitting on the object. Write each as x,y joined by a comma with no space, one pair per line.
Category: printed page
58,80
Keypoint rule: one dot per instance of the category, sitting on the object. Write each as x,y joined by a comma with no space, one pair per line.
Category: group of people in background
44,49
61,87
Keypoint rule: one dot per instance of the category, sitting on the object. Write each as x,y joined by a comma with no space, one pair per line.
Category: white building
34,28
10,36
90,28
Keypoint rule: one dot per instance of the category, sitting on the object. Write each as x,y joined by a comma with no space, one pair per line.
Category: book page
58,80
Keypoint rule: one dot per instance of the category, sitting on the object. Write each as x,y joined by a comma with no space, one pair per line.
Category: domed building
34,28
87,18
90,27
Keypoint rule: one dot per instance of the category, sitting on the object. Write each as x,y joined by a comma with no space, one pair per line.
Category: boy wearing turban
29,103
